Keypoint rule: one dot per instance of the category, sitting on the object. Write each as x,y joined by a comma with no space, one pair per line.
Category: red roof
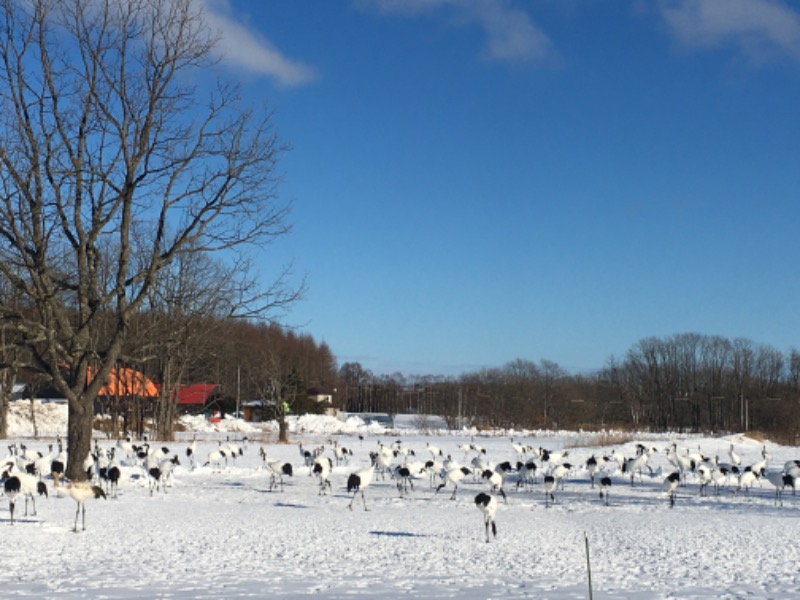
126,382
197,393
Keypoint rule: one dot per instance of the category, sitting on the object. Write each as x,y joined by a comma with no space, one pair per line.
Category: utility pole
741,409
238,389
747,415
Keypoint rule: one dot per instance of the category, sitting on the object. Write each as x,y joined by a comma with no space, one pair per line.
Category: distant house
257,411
193,399
18,391
265,410
125,390
122,385
319,395
46,395
124,382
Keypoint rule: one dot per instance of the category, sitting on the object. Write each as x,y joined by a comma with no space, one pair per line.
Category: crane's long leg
77,512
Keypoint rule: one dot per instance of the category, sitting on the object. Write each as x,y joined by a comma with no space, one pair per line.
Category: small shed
192,399
256,411
319,395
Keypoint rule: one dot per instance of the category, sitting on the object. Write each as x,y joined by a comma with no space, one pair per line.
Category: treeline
249,360
686,382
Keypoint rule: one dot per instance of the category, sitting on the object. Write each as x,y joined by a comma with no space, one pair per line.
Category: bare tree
355,381
794,370
113,164
551,373
277,383
185,310
523,376
11,357
8,376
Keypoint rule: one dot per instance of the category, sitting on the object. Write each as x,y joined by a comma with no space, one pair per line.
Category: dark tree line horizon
248,360
684,382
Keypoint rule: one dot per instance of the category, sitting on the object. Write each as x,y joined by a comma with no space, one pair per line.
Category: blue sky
480,181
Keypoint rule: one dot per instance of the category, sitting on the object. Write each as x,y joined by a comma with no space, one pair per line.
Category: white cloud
249,50
763,29
511,34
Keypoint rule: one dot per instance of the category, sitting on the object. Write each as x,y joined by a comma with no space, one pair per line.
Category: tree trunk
6,390
164,415
33,419
7,378
283,429
4,401
167,404
79,437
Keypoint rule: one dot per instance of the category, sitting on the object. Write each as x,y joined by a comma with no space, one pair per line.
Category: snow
221,533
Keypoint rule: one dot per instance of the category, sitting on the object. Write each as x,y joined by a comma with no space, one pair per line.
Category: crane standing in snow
487,504
322,469
780,480
454,476
81,491
22,484
191,451
605,486
671,483
495,480
357,482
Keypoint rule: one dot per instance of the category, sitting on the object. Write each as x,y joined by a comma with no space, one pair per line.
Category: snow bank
50,419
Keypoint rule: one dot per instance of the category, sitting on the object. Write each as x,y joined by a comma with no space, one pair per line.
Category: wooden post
588,564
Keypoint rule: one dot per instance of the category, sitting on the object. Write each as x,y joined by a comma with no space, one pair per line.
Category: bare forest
686,382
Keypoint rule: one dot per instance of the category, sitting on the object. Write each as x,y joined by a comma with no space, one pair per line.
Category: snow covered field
221,532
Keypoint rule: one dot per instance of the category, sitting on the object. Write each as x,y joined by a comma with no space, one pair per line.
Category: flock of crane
400,463
25,472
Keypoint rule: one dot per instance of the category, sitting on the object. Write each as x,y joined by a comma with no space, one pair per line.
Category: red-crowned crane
191,451
22,484
358,482
487,504
495,480
454,476
605,486
671,483
780,480
323,467
549,489
81,491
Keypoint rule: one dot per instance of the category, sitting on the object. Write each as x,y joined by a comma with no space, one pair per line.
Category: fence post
588,564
